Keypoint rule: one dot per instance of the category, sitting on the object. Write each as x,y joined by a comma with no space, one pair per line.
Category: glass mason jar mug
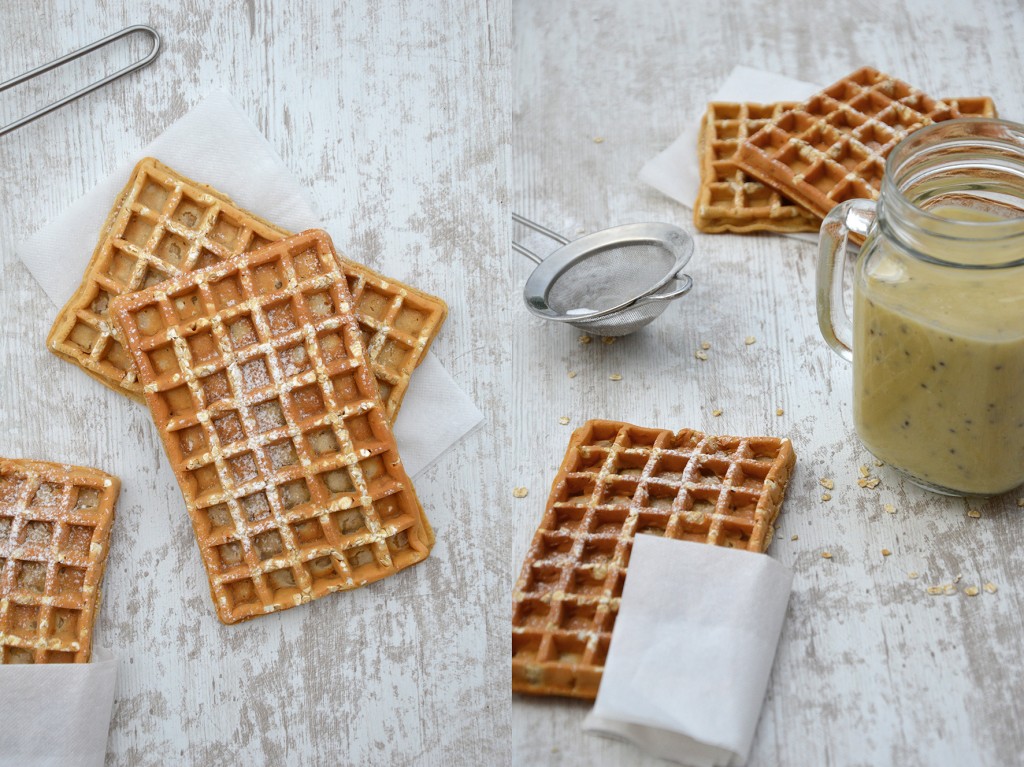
937,335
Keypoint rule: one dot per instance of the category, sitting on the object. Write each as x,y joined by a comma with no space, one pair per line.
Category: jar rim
949,139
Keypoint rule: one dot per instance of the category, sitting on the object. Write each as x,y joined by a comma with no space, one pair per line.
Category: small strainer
612,282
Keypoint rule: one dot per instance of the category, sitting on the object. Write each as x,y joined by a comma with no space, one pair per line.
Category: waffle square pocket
616,481
163,225
257,377
55,524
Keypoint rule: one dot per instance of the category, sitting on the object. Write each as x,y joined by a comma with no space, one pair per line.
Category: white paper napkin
57,715
217,144
675,172
692,651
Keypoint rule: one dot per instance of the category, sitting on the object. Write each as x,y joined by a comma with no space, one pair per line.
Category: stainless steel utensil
612,282
137,64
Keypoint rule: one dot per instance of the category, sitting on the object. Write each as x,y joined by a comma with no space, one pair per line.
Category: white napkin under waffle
57,714
692,651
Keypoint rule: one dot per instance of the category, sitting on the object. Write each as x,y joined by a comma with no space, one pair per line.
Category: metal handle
855,216
687,281
523,250
138,64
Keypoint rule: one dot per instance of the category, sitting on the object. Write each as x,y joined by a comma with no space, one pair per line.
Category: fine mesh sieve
611,282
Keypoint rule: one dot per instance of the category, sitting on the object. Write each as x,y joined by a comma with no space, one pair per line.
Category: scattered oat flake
794,537
990,588
886,552
598,139
705,345
826,555
826,496
827,483
572,374
1020,502
615,377
716,413
519,492
974,513
779,411
749,340
971,591
878,463
913,574
609,340
888,508
700,355
948,589
564,420
585,339
934,590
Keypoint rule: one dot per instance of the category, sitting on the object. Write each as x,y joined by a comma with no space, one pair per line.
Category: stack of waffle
274,369
782,167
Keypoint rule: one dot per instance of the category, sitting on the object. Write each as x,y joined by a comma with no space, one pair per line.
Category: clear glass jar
937,335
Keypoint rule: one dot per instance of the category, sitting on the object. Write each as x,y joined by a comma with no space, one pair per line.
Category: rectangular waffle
54,535
731,200
164,224
618,480
832,147
255,372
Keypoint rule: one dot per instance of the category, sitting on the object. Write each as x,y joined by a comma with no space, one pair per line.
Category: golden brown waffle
255,373
730,200
54,534
164,224
618,480
832,147
973,106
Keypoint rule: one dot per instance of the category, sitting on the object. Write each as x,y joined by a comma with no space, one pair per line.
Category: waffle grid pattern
832,147
729,199
54,534
256,377
164,224
618,480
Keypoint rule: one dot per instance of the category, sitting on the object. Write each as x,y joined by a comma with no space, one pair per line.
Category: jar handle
855,216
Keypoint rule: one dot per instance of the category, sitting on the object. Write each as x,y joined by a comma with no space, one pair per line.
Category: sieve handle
109,39
522,250
687,281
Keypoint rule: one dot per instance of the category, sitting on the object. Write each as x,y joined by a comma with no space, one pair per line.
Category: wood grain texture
871,669
394,114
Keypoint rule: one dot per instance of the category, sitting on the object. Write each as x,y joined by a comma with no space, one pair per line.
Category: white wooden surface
395,116
871,669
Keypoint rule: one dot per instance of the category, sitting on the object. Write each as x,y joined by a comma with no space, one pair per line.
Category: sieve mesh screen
609,277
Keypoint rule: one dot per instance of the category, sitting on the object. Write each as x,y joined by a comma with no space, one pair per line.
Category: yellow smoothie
939,367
